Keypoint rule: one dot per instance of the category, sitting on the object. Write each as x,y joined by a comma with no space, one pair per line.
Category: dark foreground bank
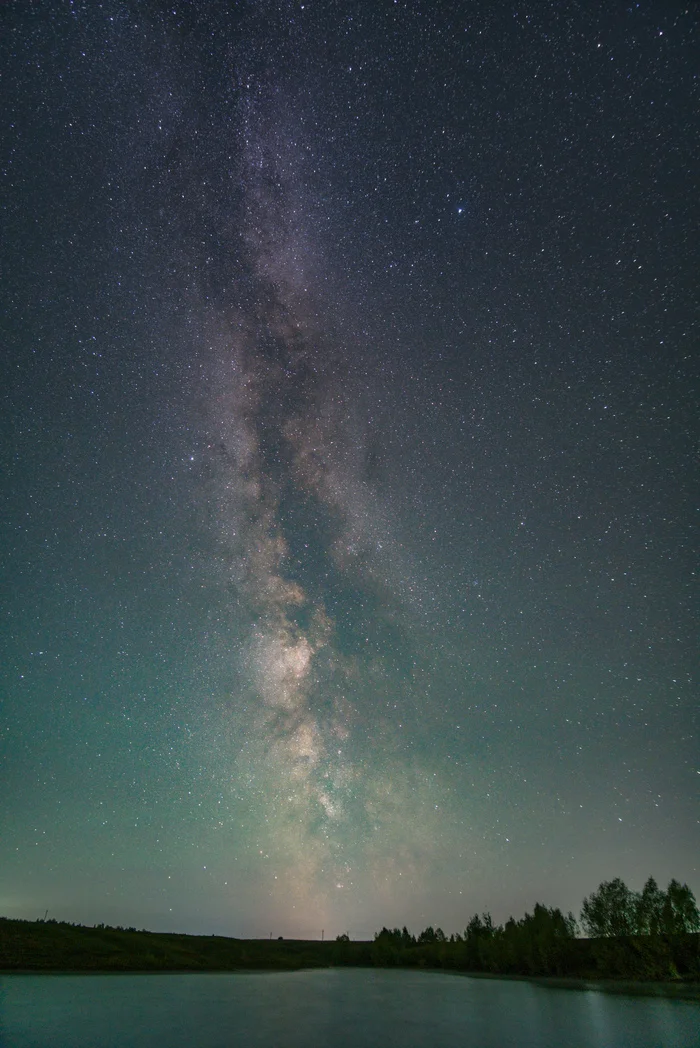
52,946
59,946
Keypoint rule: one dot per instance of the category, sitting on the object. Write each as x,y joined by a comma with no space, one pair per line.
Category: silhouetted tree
680,912
649,909
615,911
541,939
478,951
479,927
611,911
385,948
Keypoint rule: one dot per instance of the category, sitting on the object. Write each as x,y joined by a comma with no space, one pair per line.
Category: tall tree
649,909
680,912
610,911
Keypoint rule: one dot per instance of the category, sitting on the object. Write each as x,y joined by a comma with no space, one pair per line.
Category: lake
330,1008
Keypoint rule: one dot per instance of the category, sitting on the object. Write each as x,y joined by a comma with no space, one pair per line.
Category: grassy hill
57,946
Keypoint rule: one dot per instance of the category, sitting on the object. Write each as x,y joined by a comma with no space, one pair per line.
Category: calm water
329,1009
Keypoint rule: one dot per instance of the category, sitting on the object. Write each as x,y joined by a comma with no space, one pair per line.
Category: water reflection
342,1009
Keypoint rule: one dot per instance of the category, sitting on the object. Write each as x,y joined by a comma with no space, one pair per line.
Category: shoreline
687,991
628,987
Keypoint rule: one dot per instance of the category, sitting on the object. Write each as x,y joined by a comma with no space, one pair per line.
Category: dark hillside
55,946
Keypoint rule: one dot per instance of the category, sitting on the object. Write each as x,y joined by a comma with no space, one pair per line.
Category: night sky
347,411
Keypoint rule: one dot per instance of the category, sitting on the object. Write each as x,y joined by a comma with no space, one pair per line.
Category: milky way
299,527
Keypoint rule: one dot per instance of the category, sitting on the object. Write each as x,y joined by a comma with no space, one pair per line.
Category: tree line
652,934
647,935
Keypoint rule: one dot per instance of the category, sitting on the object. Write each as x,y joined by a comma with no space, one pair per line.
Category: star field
348,422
